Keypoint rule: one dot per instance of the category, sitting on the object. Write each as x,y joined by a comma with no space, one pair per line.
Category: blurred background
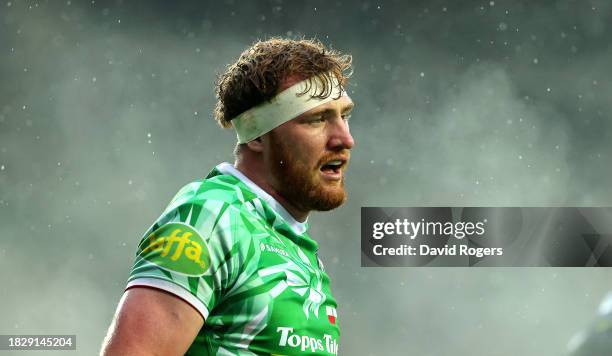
105,112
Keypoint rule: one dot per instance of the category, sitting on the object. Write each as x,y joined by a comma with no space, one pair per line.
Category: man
228,268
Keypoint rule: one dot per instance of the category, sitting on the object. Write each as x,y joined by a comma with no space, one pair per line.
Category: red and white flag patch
332,315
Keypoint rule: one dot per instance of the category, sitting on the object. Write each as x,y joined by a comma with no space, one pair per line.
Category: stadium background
105,111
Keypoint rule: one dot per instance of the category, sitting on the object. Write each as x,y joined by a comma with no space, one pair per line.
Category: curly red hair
259,73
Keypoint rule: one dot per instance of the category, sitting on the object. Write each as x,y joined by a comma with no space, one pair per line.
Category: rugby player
229,267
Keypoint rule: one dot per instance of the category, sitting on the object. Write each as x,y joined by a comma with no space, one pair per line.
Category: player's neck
255,172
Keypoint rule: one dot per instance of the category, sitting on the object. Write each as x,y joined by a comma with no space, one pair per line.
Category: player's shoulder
216,190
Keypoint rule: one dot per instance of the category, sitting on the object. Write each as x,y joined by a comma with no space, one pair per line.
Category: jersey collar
297,227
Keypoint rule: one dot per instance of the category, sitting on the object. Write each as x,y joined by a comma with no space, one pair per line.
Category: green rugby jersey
237,256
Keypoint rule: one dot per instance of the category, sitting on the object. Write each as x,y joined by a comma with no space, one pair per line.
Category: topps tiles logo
306,343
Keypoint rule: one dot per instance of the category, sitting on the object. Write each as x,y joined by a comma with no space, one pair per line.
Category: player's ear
256,145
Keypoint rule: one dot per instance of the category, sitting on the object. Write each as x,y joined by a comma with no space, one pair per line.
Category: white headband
285,106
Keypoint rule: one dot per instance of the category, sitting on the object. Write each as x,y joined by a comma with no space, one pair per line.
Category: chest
283,301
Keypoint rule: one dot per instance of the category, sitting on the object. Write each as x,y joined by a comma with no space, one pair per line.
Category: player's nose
340,135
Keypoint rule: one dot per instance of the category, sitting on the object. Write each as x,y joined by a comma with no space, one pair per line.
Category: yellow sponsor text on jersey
177,247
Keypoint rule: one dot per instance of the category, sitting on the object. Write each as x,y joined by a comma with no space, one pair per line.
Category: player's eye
346,117
316,119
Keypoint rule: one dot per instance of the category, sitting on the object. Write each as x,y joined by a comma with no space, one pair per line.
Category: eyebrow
346,109
349,107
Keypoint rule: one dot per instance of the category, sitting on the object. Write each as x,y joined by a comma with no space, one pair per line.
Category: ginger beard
300,183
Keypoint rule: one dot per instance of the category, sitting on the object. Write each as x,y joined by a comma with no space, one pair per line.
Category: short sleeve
192,251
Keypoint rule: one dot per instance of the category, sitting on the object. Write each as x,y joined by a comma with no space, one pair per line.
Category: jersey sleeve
195,250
